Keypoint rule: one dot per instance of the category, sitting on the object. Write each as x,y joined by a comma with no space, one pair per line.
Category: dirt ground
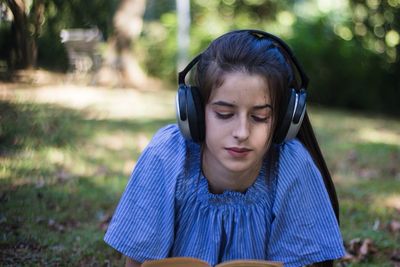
106,102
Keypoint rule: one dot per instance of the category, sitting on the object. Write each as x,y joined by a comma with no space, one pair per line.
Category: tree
25,29
23,43
128,23
38,14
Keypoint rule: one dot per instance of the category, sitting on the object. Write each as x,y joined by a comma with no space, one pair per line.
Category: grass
64,167
363,154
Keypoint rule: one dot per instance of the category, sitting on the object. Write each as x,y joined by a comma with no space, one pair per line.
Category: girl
232,182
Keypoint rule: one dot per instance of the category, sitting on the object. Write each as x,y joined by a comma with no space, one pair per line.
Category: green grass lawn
64,166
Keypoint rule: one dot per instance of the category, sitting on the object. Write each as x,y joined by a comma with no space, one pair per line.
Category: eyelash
223,116
229,115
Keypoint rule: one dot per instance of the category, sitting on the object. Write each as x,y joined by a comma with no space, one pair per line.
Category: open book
193,262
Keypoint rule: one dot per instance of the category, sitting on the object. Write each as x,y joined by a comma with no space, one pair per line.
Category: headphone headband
286,49
190,105
182,74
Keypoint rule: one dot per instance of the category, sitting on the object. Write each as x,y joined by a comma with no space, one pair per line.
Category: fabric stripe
167,210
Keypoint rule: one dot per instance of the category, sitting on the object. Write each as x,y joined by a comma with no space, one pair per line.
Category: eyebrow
230,105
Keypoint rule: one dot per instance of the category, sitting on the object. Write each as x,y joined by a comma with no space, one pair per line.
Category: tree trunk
128,22
183,38
38,19
22,40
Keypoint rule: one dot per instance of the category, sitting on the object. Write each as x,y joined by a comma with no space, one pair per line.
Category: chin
237,166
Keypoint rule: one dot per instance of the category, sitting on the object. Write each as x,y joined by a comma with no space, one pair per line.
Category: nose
241,129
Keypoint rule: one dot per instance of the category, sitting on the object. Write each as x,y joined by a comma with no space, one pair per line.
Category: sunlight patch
393,202
379,136
102,103
114,141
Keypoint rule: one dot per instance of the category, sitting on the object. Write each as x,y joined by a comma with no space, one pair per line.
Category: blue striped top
167,210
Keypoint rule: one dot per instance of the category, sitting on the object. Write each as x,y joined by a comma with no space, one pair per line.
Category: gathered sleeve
304,228
142,226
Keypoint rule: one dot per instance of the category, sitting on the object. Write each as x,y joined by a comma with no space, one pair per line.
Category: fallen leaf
359,250
354,246
347,257
394,226
367,248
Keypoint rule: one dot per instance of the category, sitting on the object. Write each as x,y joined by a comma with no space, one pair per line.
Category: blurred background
350,48
85,84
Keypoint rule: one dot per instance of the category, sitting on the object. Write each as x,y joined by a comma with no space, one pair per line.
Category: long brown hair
255,54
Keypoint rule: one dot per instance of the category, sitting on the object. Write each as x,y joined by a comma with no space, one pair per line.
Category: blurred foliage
343,73
70,14
349,48
59,15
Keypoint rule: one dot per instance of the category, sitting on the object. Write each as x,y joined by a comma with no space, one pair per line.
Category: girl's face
238,120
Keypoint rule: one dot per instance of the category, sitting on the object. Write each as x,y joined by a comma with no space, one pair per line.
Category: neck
221,179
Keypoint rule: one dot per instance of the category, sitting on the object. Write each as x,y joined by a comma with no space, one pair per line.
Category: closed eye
260,118
223,116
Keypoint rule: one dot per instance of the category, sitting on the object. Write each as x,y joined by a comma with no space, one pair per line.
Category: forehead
241,86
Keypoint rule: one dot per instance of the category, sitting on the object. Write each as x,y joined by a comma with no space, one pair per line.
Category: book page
193,262
176,262
250,263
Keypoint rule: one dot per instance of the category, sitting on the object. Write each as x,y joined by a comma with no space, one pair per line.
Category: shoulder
296,163
167,136
163,157
294,155
294,150
167,141
299,182
169,149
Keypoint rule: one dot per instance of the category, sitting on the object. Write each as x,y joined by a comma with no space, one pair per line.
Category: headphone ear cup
290,124
298,115
195,113
181,111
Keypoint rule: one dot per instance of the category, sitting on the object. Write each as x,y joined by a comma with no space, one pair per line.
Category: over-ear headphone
190,106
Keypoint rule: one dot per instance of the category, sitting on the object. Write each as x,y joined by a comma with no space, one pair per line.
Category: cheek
264,135
213,134
211,120
212,126
208,119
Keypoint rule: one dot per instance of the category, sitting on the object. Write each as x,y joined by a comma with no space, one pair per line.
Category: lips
238,152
